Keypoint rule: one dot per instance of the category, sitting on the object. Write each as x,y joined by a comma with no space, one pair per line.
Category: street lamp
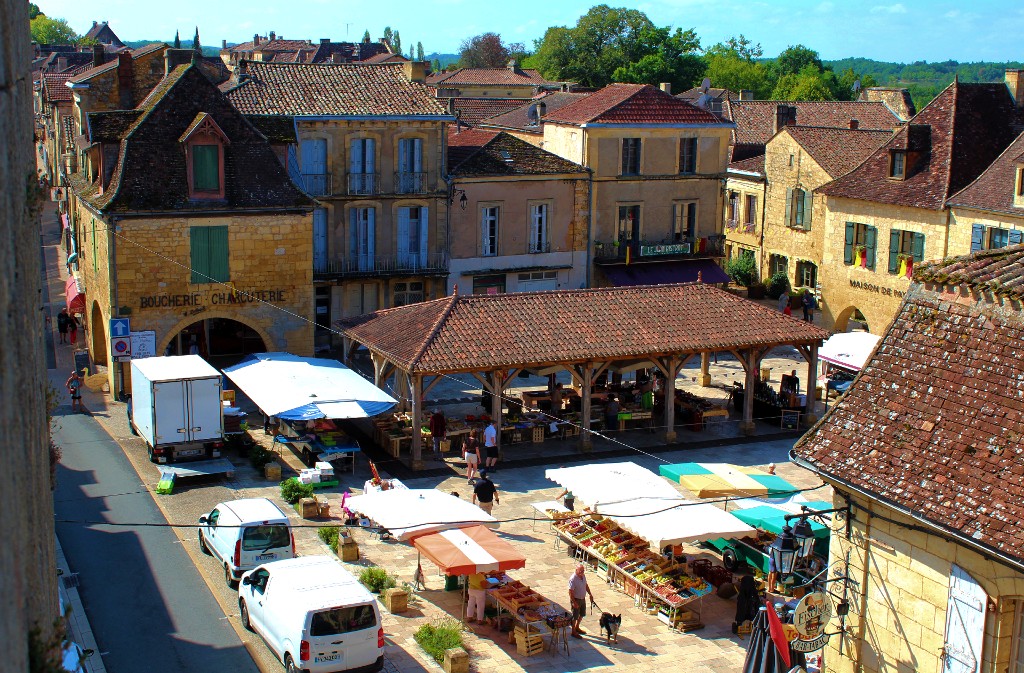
463,199
804,539
783,551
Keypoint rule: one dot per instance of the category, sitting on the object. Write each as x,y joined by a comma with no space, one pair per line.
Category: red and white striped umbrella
466,551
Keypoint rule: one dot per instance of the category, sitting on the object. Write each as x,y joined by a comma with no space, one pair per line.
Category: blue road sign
119,327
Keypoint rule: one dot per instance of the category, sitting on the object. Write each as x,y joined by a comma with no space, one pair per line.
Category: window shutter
918,247
320,238
424,229
870,236
403,155
848,251
977,237
404,248
807,209
417,154
894,250
964,636
789,207
370,155
371,232
219,254
355,161
353,232
199,246
1016,236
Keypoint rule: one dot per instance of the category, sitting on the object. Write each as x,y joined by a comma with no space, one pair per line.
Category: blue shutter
807,210
353,233
977,237
870,236
320,239
789,207
848,247
424,230
404,249
918,247
894,250
1016,236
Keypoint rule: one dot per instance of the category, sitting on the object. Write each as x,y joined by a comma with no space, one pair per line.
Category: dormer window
1018,187
898,165
204,143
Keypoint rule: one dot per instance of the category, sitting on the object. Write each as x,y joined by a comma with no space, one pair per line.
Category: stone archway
98,334
194,322
848,318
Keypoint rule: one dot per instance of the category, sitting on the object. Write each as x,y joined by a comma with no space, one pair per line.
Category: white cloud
898,8
952,14
825,7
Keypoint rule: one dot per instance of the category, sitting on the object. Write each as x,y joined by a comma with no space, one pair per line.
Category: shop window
798,209
489,230
991,238
806,274
684,221
209,254
778,264
750,212
494,284
408,293
904,246
629,223
687,155
859,245
630,156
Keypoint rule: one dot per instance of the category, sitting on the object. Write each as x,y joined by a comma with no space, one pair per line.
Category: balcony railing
536,247
410,183
381,265
615,251
317,184
363,183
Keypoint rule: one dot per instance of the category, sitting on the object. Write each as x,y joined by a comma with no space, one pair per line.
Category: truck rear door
206,421
170,413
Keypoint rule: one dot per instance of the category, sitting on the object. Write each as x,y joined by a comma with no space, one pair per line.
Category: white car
314,615
242,534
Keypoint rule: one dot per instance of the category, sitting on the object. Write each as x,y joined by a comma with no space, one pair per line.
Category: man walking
485,493
62,325
490,446
578,592
438,431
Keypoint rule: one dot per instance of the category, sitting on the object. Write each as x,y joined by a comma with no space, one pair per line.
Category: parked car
314,615
242,534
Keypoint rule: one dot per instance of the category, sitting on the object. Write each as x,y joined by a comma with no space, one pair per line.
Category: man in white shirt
578,592
491,445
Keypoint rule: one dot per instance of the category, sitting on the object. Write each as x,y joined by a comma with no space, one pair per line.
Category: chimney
62,63
256,40
854,124
666,87
1015,83
126,80
97,55
542,109
272,35
512,64
223,44
746,94
94,24
175,57
415,71
451,106
785,115
325,40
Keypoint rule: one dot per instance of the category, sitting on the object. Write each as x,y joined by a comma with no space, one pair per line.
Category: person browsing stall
485,493
578,592
490,446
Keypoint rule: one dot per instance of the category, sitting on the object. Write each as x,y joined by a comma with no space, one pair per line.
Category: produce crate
538,434
528,646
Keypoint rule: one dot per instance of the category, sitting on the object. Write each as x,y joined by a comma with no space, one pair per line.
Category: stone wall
963,219
737,235
27,559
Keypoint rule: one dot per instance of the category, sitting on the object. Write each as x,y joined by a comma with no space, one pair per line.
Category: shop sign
143,344
871,287
671,249
810,619
212,298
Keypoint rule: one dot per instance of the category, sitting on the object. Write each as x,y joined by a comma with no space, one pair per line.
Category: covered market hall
586,332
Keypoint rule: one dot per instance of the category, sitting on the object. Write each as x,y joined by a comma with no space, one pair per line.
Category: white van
242,534
314,615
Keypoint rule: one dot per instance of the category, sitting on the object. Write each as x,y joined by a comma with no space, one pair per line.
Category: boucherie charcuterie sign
213,298
810,619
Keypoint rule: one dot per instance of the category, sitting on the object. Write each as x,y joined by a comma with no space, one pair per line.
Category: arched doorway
851,319
220,341
97,331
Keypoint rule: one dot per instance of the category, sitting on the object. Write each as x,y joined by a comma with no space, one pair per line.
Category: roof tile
993,189
505,154
755,119
838,151
488,76
631,104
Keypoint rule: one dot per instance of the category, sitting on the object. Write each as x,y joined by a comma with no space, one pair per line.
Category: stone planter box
456,660
348,549
397,601
272,471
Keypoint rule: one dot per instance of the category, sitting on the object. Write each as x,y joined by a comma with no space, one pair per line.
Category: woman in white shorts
471,453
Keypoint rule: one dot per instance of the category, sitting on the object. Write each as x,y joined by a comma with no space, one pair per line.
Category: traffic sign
119,327
121,348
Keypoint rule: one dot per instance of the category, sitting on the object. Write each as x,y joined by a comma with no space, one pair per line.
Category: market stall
394,433
723,480
598,483
842,356
408,513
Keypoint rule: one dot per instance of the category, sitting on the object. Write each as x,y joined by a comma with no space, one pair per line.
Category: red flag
778,634
910,267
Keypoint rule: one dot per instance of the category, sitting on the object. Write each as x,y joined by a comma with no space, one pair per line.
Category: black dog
610,625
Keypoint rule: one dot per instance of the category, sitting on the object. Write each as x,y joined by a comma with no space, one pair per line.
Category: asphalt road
147,603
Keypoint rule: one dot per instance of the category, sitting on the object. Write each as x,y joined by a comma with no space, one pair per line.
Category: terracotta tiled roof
755,119
102,32
73,60
631,104
934,421
150,173
463,144
993,190
520,119
272,45
112,65
838,151
505,154
341,89
351,51
54,86
998,271
481,332
384,57
488,76
960,133
276,128
111,127
751,165
472,110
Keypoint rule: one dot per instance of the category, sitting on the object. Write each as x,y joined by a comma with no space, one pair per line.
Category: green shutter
209,248
205,168
219,269
848,250
789,207
894,250
870,236
807,210
199,241
917,247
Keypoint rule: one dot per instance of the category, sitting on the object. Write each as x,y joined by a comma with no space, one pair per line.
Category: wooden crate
538,434
529,645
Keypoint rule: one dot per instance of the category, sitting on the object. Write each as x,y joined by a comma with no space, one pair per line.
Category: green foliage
376,579
397,42
486,50
52,31
33,11
260,456
329,535
292,490
435,65
177,40
794,59
45,652
389,35
742,270
778,284
366,36
419,51
440,635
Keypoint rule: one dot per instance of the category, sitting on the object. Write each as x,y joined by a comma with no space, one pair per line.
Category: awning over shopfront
612,483
467,551
664,522
849,350
297,388
74,294
664,273
722,480
408,513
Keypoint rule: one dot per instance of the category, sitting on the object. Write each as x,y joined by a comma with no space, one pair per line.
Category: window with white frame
489,230
539,228
684,221
687,155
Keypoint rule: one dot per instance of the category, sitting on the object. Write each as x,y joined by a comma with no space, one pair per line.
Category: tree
731,65
796,58
435,65
483,51
177,40
808,84
195,42
52,31
419,51
398,42
389,37
33,11
366,36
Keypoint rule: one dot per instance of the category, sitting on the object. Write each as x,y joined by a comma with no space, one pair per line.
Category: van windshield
342,620
271,536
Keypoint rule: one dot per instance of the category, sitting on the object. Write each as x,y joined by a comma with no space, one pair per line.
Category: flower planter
456,660
397,601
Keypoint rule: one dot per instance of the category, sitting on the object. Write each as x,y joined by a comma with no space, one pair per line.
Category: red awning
74,292
64,221
466,551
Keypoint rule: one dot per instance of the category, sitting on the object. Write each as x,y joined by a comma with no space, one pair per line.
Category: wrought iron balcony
317,184
363,183
610,252
536,247
381,265
411,183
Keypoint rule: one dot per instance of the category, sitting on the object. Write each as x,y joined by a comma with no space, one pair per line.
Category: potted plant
442,640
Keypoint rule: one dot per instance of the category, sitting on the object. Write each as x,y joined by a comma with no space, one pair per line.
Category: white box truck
176,407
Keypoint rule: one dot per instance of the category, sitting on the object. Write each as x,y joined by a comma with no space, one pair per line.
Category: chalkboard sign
790,419
82,362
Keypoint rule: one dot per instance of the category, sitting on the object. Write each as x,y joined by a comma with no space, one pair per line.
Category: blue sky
905,30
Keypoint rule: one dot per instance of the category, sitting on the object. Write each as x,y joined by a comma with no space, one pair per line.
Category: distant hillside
924,80
445,59
185,44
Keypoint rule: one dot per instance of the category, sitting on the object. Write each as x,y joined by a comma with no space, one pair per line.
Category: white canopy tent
611,482
297,388
407,513
849,350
